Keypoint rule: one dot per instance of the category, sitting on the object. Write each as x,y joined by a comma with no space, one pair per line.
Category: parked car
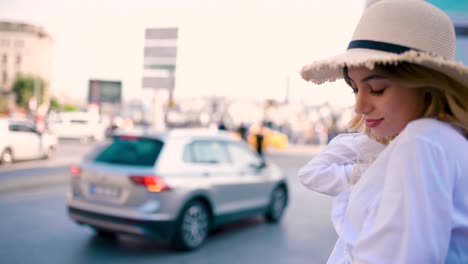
176,185
20,140
78,125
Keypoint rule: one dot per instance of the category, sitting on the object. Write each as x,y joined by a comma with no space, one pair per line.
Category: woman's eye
377,91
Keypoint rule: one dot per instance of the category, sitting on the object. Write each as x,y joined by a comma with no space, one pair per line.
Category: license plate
102,190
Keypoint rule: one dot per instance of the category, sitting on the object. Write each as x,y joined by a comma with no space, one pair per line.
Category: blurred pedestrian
259,139
407,200
221,125
40,123
242,130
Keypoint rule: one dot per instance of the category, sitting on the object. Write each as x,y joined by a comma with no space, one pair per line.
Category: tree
23,88
70,108
3,104
56,105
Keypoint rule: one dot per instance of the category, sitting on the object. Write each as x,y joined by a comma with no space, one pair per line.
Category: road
36,229
42,172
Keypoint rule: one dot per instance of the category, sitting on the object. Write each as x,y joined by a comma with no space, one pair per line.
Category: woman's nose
362,105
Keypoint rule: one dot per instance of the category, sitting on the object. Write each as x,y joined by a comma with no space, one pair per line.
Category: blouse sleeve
339,206
328,171
412,223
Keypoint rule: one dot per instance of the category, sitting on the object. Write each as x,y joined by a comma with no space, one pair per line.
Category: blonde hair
447,98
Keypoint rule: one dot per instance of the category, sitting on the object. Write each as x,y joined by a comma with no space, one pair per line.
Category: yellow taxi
272,138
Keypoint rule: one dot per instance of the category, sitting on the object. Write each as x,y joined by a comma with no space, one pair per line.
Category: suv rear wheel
101,233
192,227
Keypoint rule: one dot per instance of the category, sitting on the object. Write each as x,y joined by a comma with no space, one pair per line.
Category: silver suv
176,186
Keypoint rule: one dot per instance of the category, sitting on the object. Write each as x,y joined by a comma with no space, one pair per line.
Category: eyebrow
370,77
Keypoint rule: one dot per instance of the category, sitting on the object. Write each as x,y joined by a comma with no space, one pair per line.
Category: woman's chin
379,133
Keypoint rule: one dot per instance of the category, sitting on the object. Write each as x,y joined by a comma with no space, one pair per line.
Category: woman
411,203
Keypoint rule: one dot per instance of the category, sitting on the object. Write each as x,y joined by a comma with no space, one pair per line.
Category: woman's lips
373,122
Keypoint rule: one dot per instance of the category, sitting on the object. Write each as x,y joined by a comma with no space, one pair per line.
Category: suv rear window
131,151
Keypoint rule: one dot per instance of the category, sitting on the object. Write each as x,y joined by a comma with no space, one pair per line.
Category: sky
234,48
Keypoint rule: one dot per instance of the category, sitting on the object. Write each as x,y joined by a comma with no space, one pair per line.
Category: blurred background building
25,49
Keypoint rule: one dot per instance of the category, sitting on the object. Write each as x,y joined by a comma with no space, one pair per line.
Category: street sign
160,54
167,67
159,64
157,82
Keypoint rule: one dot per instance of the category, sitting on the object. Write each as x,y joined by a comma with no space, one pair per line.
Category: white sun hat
393,31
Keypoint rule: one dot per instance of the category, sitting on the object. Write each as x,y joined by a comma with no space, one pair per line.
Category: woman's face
387,106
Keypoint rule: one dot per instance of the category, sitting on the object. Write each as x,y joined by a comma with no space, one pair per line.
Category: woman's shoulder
432,130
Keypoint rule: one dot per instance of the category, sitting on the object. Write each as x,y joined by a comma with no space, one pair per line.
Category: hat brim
331,69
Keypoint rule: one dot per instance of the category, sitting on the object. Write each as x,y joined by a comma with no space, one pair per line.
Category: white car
78,125
20,140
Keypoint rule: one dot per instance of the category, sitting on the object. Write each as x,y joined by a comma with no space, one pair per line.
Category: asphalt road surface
35,228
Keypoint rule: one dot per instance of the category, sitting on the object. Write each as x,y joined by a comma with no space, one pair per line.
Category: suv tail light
152,183
75,170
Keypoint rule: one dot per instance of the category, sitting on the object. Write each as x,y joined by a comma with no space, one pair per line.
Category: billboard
101,91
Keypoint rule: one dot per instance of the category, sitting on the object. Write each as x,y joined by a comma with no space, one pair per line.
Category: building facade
24,49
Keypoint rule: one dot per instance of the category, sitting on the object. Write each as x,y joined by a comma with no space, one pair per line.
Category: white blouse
335,169
410,205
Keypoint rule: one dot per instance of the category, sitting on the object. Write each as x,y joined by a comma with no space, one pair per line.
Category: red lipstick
373,122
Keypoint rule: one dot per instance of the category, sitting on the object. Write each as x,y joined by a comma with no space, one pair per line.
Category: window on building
4,77
18,60
4,58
